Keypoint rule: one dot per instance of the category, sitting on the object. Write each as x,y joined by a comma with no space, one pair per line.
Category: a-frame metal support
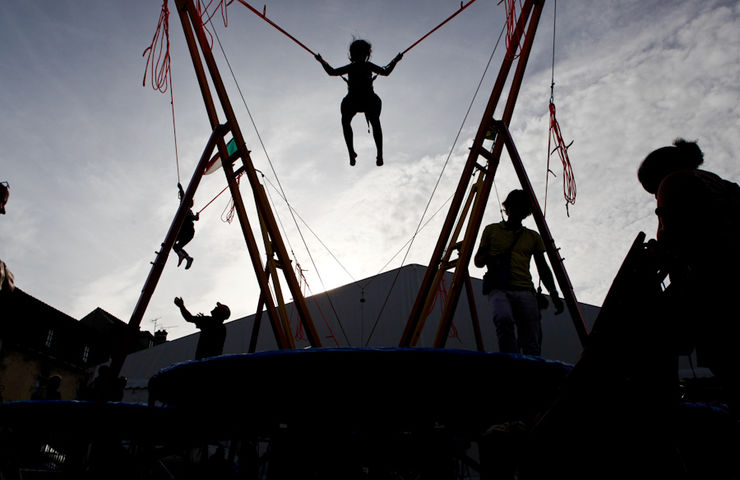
277,259
276,253
124,344
553,254
464,219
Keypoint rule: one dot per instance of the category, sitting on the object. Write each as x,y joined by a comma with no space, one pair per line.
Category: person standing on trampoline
360,96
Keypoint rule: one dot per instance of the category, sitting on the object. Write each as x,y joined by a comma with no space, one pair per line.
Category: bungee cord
263,16
462,7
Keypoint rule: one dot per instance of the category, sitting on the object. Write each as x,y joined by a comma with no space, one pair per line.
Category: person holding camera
506,249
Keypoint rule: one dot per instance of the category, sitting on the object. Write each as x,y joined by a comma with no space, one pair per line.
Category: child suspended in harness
187,232
360,96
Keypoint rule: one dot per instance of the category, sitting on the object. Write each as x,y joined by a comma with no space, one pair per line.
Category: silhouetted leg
348,111
503,319
527,318
373,116
183,238
378,137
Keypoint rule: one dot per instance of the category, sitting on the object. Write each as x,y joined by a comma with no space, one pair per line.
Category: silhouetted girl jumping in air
360,96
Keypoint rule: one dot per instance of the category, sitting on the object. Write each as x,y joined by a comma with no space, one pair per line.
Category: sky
89,152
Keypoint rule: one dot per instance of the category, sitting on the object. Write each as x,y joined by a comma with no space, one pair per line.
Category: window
49,338
85,353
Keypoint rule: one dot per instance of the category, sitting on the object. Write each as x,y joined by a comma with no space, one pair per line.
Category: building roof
32,325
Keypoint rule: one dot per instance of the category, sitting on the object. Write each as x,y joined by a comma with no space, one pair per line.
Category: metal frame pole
440,256
488,175
119,356
274,245
561,275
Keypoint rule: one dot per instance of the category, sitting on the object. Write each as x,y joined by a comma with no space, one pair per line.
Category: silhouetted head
658,164
517,204
4,196
54,382
221,311
360,50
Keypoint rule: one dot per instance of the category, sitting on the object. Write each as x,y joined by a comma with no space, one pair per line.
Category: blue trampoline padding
370,386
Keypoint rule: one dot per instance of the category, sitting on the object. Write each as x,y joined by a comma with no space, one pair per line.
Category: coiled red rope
556,138
158,63
158,59
511,19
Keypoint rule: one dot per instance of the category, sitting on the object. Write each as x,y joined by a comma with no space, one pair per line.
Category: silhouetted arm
481,256
189,317
334,72
543,269
385,71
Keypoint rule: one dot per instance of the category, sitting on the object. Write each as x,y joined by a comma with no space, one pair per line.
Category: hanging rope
206,18
462,7
511,20
555,137
221,6
227,215
158,63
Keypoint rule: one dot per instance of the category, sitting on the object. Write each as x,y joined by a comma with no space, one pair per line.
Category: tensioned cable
462,7
280,221
310,229
498,199
302,277
318,307
552,92
263,16
436,185
284,196
431,217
